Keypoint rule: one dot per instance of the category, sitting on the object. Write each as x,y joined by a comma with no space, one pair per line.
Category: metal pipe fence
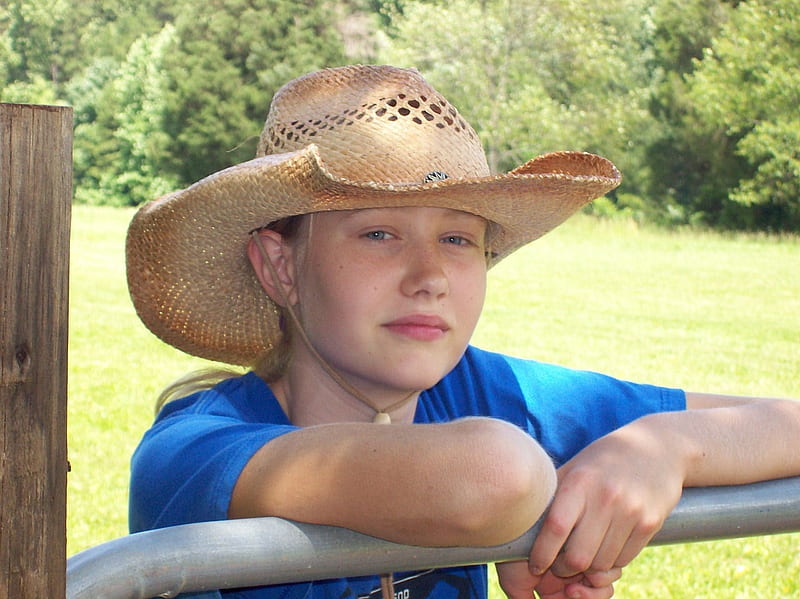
260,551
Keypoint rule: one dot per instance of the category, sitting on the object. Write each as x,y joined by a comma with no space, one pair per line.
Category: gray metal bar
236,553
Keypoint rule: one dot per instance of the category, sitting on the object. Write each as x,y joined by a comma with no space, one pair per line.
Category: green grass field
699,311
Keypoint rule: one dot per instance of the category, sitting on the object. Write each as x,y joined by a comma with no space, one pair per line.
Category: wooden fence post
35,196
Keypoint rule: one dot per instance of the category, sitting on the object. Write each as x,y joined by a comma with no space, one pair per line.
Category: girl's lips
420,327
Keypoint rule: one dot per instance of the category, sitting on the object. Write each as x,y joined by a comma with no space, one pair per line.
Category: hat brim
187,267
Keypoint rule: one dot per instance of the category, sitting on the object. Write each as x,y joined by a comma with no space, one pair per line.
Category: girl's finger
617,538
603,578
579,553
565,511
636,542
581,591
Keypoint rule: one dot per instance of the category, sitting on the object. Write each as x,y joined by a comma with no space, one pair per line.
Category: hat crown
373,123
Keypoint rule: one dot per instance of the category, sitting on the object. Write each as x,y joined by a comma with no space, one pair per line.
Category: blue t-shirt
187,464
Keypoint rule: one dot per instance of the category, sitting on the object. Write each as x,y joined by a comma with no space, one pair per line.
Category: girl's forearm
470,482
732,440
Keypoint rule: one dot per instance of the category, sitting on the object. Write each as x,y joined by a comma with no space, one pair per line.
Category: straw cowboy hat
338,139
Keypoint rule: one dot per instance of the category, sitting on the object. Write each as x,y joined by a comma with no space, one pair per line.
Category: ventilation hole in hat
392,117
392,102
401,96
440,125
417,120
428,116
448,120
380,112
435,108
413,103
404,111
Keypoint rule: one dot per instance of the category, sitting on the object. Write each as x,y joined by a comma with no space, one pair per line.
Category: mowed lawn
700,311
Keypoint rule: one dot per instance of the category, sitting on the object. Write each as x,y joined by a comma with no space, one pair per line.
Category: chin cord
387,586
381,414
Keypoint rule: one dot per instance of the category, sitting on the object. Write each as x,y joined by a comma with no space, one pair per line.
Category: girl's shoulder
244,397
487,370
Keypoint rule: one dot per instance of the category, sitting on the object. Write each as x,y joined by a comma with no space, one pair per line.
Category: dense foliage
695,100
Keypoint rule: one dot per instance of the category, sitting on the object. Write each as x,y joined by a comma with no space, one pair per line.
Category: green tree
538,76
95,150
26,52
55,40
229,60
747,87
148,118
140,145
687,178
37,90
26,28
120,142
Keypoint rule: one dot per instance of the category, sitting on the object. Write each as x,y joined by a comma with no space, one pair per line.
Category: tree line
695,100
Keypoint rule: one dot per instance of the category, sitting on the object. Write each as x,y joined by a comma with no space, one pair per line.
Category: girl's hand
517,582
611,500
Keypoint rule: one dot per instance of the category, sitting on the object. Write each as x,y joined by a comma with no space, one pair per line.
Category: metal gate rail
252,552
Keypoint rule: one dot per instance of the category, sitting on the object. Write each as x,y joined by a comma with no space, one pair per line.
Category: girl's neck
309,396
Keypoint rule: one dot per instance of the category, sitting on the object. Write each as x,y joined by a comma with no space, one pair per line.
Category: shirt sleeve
562,408
188,462
569,409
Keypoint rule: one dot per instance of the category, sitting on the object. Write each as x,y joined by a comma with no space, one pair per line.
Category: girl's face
390,297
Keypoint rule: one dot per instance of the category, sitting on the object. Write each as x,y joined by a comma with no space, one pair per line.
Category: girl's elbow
514,482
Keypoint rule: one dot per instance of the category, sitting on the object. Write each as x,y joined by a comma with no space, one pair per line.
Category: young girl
346,268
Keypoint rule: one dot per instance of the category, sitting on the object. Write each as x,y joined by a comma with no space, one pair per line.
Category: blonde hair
270,367
193,382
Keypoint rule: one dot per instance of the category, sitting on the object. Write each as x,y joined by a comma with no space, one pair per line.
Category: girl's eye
377,235
455,240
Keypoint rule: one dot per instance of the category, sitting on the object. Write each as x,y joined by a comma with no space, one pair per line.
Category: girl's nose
425,273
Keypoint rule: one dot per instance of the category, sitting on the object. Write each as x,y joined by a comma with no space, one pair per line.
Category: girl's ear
277,277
